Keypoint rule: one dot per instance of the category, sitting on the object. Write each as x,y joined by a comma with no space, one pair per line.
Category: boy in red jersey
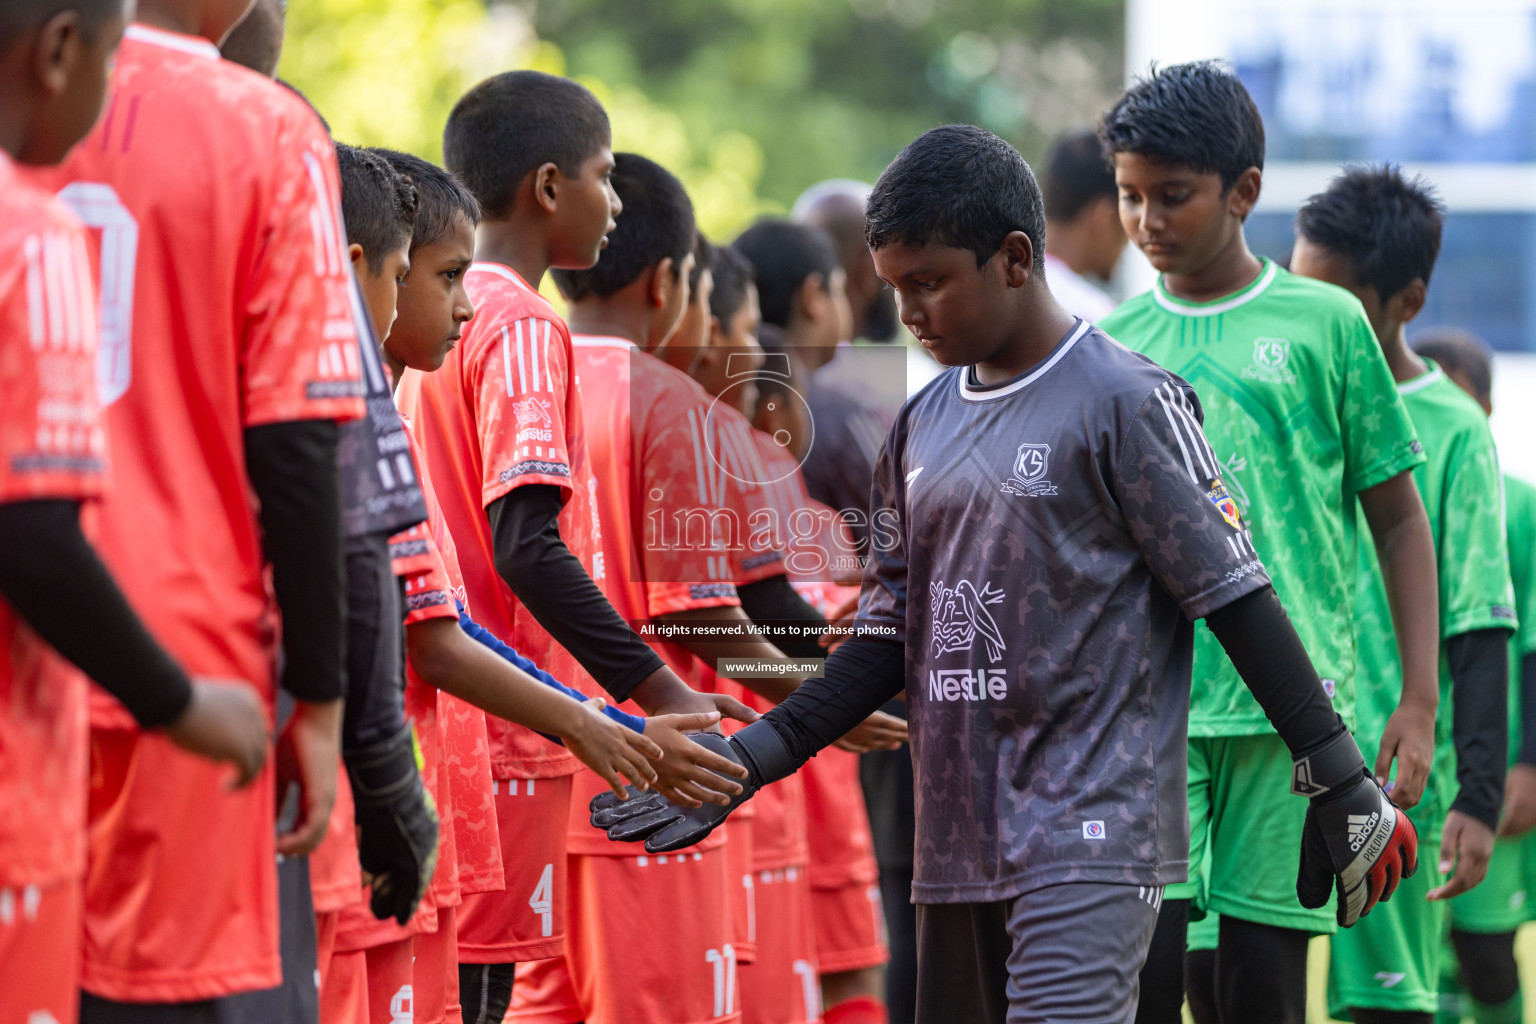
56,597
229,355
501,427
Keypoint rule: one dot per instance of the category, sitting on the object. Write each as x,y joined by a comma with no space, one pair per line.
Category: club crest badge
1217,492
1270,363
1029,469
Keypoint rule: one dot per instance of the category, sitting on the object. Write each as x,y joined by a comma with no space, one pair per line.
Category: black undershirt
59,586
551,583
1479,664
293,471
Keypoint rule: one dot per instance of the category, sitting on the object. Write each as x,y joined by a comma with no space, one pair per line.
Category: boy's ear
355,254
658,290
811,298
546,186
1018,254
716,331
1409,302
1244,193
56,51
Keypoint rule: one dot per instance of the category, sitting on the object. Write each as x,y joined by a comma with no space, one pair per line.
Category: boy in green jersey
1377,235
1304,416
1484,921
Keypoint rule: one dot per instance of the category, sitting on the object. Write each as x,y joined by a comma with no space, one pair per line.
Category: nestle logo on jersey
964,684
1029,469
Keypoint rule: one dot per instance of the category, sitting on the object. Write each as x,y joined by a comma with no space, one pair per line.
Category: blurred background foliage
748,101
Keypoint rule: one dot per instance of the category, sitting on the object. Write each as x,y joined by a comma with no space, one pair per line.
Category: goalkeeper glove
396,823
663,825
1355,839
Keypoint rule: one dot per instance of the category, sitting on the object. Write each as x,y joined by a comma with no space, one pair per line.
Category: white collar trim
1422,381
194,45
1173,305
971,394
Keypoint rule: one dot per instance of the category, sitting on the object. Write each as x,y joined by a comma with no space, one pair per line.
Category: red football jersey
225,304
504,410
466,757
647,448
51,446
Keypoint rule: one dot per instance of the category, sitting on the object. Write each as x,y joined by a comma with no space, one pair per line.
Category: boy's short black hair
377,204
1076,174
733,273
703,259
440,196
1461,352
514,122
18,16
783,255
771,382
1199,115
1387,226
957,186
657,223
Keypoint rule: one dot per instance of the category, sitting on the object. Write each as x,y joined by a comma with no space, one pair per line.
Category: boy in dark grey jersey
1049,520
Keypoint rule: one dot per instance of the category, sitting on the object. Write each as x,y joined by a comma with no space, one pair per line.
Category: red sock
858,1010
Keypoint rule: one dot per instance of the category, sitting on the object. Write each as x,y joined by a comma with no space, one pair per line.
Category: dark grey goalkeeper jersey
1043,549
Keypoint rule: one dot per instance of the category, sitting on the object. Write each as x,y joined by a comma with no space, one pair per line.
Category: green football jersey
1520,529
1461,489
1303,415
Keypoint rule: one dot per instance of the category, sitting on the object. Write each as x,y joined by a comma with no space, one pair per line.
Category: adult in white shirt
1083,236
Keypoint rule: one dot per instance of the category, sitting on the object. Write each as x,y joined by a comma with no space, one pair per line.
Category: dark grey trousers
1064,953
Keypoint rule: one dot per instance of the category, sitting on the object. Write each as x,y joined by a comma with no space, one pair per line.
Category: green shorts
1390,959
1504,900
1245,835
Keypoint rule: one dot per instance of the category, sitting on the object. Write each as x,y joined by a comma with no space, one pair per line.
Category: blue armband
509,654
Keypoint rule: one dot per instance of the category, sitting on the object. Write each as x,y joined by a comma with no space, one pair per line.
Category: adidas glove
663,825
1355,839
396,823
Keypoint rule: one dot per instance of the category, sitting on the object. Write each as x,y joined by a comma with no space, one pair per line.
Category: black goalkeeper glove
663,825
1355,839
396,823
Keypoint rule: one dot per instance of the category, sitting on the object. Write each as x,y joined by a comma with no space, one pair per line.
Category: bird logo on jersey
532,411
960,613
1029,469
1217,492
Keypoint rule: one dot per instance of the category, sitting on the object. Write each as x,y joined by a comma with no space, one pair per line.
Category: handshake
664,826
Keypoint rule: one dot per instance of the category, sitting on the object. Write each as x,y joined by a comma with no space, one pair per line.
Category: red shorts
435,974
391,998
526,920
783,986
40,953
849,928
325,943
650,942
344,989
181,876
738,859
335,877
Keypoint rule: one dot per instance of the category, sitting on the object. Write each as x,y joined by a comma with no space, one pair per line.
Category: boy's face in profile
1178,217
433,305
586,212
379,290
953,307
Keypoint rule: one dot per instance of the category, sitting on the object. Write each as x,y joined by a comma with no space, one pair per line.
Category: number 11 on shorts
723,961
542,900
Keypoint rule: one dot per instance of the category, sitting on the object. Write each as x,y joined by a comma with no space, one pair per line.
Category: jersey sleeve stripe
32,250
522,366
506,360
535,383
1197,438
549,379
1178,435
